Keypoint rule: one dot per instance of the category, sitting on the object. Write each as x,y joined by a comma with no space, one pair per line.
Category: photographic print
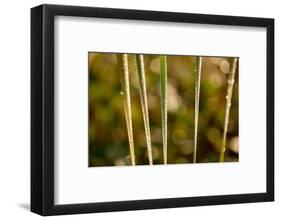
169,111
149,109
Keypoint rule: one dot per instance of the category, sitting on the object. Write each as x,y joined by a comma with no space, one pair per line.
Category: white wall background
15,108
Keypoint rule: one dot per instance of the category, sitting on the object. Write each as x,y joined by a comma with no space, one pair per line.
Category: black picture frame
42,109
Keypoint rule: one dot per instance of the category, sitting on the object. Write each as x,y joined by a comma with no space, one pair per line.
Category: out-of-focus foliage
108,138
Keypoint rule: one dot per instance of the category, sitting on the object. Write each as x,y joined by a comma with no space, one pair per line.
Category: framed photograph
139,109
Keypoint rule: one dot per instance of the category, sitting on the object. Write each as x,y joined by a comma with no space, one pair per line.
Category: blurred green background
108,139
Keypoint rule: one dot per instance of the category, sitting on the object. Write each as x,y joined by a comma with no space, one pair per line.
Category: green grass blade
124,69
197,99
230,84
163,97
139,61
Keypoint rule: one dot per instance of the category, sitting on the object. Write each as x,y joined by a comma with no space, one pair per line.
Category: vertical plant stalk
163,97
124,69
230,84
139,61
198,68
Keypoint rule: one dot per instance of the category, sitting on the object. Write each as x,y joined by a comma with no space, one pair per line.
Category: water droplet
230,82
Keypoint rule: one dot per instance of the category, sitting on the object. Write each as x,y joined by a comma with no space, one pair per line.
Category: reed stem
139,61
124,69
163,97
230,84
198,68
